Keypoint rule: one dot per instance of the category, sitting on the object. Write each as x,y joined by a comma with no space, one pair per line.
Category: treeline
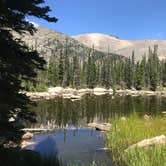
109,71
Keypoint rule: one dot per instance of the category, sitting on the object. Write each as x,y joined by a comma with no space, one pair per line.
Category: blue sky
127,19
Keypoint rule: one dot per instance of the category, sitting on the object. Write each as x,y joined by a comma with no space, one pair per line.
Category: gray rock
101,127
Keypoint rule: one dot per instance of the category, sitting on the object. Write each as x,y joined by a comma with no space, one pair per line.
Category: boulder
159,140
84,91
147,117
111,90
55,90
27,135
101,127
24,144
76,97
113,97
123,118
66,96
100,91
69,91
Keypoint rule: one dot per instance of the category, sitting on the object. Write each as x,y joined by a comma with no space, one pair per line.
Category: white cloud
34,23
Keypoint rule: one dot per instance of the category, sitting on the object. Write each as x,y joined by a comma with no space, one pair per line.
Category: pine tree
60,68
132,68
140,75
76,73
66,74
163,75
153,68
128,73
52,71
106,73
91,70
17,63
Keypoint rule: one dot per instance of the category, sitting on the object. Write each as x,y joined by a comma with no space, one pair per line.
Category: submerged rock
24,144
101,127
159,140
27,135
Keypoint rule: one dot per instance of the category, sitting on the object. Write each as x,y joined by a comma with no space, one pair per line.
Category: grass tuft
131,131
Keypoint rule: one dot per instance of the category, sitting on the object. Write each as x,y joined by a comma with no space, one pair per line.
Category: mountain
48,42
116,45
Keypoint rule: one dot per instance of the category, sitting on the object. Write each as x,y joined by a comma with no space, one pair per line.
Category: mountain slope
102,42
48,42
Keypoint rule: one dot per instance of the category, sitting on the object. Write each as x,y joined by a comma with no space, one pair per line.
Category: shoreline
76,94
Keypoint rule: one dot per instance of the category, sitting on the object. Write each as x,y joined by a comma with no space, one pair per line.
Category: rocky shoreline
76,94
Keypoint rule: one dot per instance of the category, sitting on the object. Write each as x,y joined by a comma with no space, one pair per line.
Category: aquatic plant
132,130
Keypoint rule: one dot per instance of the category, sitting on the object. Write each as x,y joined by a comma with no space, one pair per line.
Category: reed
132,130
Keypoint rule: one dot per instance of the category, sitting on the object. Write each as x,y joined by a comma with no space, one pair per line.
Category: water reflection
81,146
64,112
46,146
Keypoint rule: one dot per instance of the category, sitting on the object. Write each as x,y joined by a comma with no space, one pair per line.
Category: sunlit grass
131,131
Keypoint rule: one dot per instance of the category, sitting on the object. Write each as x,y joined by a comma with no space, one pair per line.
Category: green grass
131,131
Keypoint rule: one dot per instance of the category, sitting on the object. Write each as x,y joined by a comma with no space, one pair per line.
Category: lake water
80,146
73,142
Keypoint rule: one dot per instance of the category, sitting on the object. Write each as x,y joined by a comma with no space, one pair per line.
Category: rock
101,127
111,90
55,90
76,97
147,117
24,144
159,140
164,112
66,96
85,91
120,91
60,92
149,93
123,119
69,91
11,119
113,97
135,95
27,135
99,91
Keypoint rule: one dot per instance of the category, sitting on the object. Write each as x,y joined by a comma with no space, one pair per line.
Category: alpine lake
73,142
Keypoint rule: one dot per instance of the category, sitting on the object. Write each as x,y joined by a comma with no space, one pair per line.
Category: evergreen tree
140,75
60,67
91,70
132,68
106,73
128,73
153,68
76,73
52,71
66,71
163,76
17,63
